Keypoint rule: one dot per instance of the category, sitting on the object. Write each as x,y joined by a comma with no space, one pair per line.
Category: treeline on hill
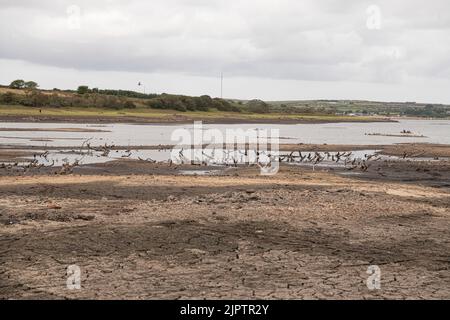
105,98
167,101
30,95
111,92
120,99
185,103
427,111
39,99
366,108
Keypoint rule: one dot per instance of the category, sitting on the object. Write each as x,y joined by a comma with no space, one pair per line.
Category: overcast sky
269,49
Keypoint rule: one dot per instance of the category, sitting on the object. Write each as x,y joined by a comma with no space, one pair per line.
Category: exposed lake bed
220,231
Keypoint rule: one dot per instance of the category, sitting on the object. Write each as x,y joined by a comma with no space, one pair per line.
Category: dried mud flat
141,231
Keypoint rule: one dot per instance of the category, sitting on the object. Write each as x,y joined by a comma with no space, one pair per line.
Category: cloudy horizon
271,50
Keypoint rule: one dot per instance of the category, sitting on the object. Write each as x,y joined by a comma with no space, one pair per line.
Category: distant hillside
114,99
86,97
359,107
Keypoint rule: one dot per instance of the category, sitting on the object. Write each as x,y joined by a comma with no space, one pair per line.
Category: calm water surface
435,131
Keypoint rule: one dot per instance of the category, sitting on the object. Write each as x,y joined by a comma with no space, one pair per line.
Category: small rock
85,217
53,206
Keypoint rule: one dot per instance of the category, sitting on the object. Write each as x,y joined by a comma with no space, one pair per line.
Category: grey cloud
323,40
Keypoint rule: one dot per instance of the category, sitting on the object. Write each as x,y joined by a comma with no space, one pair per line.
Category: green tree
257,106
38,99
83,89
129,105
30,85
7,98
17,84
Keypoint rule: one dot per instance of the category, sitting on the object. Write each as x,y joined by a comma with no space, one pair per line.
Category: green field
166,115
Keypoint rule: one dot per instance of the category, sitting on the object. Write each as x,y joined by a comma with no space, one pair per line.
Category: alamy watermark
374,280
73,281
232,147
73,17
374,17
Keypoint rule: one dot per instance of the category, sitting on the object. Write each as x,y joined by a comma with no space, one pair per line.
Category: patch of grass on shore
7,110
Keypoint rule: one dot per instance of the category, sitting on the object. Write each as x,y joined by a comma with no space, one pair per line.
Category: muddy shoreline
411,150
297,235
235,234
176,120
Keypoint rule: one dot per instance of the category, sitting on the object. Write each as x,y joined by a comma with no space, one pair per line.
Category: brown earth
139,230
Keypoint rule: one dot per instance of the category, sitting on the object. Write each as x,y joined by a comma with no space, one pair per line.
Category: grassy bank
21,113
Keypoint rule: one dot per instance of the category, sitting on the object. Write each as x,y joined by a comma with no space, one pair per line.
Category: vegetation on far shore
166,115
24,98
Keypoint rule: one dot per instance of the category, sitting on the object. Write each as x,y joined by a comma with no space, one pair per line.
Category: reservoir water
425,131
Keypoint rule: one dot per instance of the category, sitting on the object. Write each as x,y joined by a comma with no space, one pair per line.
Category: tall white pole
221,85
143,85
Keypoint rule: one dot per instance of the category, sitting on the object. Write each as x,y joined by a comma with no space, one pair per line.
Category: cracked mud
297,235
